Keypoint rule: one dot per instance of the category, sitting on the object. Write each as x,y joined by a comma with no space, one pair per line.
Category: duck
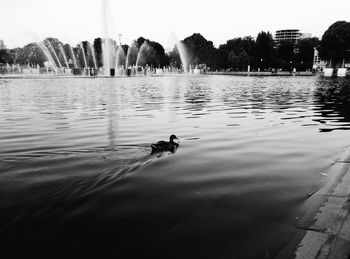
162,146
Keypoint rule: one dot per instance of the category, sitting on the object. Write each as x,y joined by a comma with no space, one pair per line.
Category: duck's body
162,146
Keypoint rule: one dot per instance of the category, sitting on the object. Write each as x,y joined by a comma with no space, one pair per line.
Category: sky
72,21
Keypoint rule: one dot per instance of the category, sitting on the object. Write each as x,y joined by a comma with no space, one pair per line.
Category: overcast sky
71,21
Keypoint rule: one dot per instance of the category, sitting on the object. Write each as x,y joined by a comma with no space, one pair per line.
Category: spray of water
132,50
64,55
143,49
83,51
119,56
54,53
92,50
73,56
48,55
183,55
181,48
106,43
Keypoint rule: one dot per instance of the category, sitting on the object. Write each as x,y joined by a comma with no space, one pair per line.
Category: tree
238,52
55,48
88,54
335,43
5,56
199,49
14,53
221,57
31,54
152,53
285,55
159,59
68,50
140,41
264,50
174,58
305,56
98,51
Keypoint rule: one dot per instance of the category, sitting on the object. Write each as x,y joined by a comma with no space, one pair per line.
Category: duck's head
172,137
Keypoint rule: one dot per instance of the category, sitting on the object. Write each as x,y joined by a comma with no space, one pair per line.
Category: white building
291,36
305,35
318,63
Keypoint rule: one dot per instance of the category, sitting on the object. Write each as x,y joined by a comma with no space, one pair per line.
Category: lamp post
261,60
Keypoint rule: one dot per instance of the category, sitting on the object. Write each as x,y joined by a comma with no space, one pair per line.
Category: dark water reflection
77,178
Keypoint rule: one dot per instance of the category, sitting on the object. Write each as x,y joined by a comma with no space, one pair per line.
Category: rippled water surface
77,178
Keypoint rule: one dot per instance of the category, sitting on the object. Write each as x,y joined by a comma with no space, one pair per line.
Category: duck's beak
178,141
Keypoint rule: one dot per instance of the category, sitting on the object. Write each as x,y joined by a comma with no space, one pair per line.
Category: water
73,56
64,55
92,51
77,179
46,52
54,53
83,52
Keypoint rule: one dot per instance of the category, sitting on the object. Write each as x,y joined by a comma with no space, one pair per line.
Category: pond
77,177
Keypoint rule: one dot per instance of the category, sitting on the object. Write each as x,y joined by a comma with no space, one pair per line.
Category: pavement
328,234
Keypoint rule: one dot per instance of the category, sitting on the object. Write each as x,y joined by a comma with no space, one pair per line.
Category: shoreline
324,232
52,76
263,73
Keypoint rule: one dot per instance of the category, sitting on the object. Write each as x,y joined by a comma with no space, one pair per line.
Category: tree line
236,54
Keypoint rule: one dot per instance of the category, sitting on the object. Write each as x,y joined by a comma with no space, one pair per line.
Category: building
2,45
291,36
318,63
305,35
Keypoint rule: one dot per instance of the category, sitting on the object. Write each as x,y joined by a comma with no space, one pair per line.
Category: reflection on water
332,100
76,167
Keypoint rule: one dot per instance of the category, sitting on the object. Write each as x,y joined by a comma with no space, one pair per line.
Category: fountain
114,57
181,48
54,53
106,48
92,51
73,56
64,55
131,55
120,55
131,62
84,56
120,60
48,56
143,48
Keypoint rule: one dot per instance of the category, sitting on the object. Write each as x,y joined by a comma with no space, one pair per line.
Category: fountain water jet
48,55
73,56
181,48
53,51
64,55
106,43
84,56
131,54
120,55
92,54
143,48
